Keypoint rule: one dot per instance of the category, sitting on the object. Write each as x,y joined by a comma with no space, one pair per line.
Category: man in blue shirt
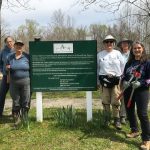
9,45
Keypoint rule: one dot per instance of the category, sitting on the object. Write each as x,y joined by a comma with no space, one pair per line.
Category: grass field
48,135
62,94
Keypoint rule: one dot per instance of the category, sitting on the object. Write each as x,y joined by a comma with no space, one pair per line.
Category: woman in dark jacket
138,69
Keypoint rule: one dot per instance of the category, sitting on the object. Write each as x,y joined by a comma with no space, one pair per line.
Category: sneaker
123,120
132,134
117,124
145,145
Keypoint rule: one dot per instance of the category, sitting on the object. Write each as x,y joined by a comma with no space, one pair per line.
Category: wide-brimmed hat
19,42
109,38
124,40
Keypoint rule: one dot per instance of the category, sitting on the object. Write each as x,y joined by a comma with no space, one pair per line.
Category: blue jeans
3,91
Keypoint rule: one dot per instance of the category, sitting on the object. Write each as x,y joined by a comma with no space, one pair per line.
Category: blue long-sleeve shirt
19,68
143,69
6,51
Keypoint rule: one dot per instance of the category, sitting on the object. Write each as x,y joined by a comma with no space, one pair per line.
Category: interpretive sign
63,65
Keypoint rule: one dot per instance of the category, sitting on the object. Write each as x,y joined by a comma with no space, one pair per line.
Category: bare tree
81,33
115,5
11,4
4,30
0,21
136,14
60,27
136,8
98,32
27,31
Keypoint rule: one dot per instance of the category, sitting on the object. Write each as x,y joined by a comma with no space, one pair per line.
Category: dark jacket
3,57
143,69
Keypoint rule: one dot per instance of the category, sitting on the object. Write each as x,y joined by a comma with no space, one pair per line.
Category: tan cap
19,42
124,40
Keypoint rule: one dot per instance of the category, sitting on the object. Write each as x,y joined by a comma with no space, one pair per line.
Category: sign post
39,108
89,105
89,96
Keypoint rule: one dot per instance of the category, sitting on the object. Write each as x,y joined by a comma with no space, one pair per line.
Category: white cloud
43,10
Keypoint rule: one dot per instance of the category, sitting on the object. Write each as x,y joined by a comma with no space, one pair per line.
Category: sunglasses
109,41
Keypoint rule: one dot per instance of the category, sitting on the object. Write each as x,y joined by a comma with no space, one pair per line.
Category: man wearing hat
125,46
110,66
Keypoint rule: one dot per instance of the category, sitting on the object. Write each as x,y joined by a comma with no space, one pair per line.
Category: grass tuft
66,117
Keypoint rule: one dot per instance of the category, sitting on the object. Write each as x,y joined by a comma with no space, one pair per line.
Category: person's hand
125,84
8,67
136,84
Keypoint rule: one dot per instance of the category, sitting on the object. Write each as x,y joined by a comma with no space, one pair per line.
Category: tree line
61,27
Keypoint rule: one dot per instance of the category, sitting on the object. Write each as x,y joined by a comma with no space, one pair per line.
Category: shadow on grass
6,119
94,129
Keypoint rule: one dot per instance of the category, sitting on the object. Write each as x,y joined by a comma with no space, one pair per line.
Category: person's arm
98,69
8,70
123,77
122,62
1,62
146,81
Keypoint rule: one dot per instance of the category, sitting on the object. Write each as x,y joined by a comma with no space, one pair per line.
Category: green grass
64,94
70,94
48,135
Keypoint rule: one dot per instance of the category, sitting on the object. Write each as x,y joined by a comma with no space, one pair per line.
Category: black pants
4,87
141,99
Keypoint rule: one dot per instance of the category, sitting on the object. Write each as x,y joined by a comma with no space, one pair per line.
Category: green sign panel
63,65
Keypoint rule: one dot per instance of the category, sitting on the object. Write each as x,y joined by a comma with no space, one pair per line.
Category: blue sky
42,11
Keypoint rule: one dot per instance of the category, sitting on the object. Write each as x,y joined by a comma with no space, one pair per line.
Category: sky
42,10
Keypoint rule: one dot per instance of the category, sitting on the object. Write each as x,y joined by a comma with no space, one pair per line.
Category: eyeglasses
109,41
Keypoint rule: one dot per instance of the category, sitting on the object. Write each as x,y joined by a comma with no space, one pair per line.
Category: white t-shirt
110,63
126,56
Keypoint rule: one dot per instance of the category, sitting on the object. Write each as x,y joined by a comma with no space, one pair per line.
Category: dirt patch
47,103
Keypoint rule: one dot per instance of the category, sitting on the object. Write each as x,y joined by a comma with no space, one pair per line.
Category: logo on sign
61,48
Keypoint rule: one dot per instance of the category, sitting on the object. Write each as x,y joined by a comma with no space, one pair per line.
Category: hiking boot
123,120
117,124
25,116
145,145
17,119
132,134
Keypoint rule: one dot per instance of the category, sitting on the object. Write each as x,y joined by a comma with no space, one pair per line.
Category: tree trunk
0,23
